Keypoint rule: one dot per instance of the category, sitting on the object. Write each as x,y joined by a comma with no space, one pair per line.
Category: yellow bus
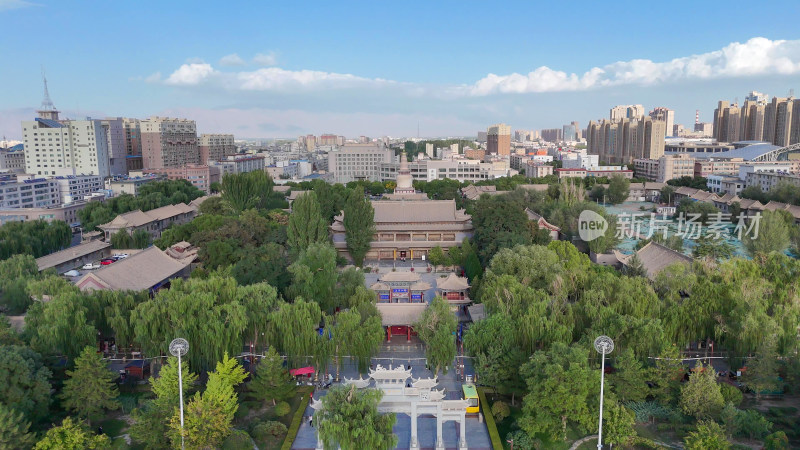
471,396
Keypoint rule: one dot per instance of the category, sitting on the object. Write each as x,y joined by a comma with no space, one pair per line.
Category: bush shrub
731,394
523,441
237,440
281,409
500,411
269,429
776,441
242,412
494,435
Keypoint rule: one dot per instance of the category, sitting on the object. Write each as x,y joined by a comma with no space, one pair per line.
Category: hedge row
494,435
297,420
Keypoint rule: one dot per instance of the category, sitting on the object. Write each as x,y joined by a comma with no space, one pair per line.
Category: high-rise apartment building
783,122
115,136
626,112
215,147
553,134
665,115
726,122
499,139
133,137
569,132
622,141
751,118
168,142
311,142
674,166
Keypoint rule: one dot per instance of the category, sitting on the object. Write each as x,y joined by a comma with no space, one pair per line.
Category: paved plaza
401,352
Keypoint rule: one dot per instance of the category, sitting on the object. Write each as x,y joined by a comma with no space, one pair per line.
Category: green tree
266,263
72,435
60,326
436,256
773,235
493,341
710,247
248,190
350,418
762,370
26,387
561,389
701,397
709,435
619,421
306,225
630,379
436,327
359,333
15,273
215,187
209,416
90,388
777,441
121,240
359,225
272,381
209,313
14,429
499,223
140,239
667,194
634,267
314,275
151,421
33,237
297,325
618,189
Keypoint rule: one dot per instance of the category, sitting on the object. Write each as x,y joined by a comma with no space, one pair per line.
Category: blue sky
280,69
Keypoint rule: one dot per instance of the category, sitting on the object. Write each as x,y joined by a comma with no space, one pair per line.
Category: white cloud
757,56
190,74
231,60
276,78
154,78
266,59
8,5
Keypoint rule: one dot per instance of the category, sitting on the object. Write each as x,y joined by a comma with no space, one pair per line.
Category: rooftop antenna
696,116
791,93
48,109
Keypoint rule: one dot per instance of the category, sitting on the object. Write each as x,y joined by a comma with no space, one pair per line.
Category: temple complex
408,225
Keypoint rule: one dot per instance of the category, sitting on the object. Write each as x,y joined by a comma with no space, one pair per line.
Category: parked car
107,261
72,273
91,266
120,255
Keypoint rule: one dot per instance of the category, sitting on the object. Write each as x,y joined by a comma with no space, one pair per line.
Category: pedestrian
311,421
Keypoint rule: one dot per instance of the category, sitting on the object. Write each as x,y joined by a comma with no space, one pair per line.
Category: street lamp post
179,347
603,345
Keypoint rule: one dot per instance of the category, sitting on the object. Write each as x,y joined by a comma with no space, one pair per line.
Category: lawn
113,427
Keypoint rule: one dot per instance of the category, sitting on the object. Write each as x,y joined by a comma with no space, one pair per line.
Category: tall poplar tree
359,225
306,225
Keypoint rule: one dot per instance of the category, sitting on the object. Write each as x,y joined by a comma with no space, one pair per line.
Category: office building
12,161
569,132
168,143
353,162
482,136
535,169
32,193
769,180
215,147
498,140
645,168
67,147
81,187
665,115
133,136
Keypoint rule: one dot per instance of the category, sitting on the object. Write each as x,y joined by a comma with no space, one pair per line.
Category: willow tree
297,325
349,417
306,225
359,225
60,326
314,275
246,190
436,327
260,300
210,314
359,334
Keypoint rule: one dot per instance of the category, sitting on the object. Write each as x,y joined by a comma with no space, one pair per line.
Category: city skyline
347,72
